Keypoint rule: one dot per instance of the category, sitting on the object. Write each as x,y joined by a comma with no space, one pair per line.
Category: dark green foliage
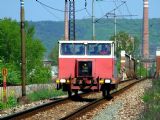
152,101
45,94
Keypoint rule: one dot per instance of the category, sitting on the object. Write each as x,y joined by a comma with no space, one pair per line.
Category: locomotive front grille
84,68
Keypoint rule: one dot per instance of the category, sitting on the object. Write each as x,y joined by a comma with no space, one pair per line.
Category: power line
87,9
116,5
59,10
50,6
111,11
50,12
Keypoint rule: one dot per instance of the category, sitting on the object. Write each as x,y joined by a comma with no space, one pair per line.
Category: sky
37,12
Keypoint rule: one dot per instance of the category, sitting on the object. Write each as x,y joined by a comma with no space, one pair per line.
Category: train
90,66
128,66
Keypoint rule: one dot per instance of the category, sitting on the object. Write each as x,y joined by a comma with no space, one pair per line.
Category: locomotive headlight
101,81
57,81
107,81
62,81
67,81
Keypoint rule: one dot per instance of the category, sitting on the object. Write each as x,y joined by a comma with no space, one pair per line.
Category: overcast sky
36,12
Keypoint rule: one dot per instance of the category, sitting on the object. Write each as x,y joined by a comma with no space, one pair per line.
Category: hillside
49,31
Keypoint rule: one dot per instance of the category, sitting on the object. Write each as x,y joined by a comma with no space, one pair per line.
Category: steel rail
34,110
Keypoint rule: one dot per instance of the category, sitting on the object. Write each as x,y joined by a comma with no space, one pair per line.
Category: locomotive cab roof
86,41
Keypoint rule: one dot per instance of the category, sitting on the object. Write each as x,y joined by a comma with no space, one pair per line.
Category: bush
39,75
45,94
142,71
13,76
11,102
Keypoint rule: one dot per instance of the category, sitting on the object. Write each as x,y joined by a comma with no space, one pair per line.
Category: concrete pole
115,30
23,50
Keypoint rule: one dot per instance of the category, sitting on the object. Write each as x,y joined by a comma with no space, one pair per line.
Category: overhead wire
59,10
89,14
111,11
115,2
51,12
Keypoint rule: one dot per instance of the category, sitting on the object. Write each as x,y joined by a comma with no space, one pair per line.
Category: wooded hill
51,31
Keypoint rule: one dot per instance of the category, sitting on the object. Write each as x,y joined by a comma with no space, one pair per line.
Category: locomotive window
72,49
79,49
99,49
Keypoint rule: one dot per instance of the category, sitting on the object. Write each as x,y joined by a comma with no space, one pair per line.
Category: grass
152,101
35,96
11,102
45,94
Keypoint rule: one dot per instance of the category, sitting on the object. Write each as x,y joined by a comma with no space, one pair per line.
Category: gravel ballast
127,106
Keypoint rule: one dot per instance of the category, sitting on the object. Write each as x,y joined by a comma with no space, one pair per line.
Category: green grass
35,96
11,102
45,94
152,101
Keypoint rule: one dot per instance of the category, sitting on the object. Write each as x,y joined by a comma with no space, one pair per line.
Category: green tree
125,42
10,52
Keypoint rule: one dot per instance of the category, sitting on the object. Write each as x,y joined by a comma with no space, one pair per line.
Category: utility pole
93,22
72,35
115,30
115,24
23,50
66,21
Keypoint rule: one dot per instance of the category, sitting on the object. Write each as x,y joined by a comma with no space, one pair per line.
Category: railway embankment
151,100
127,106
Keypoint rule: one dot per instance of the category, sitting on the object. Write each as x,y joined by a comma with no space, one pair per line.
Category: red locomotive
86,65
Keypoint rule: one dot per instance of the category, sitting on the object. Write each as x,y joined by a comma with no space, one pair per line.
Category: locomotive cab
86,65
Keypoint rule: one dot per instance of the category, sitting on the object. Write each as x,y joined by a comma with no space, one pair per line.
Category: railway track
32,111
90,104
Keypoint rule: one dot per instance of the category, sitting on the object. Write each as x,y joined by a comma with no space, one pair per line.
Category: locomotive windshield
99,49
85,49
72,49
